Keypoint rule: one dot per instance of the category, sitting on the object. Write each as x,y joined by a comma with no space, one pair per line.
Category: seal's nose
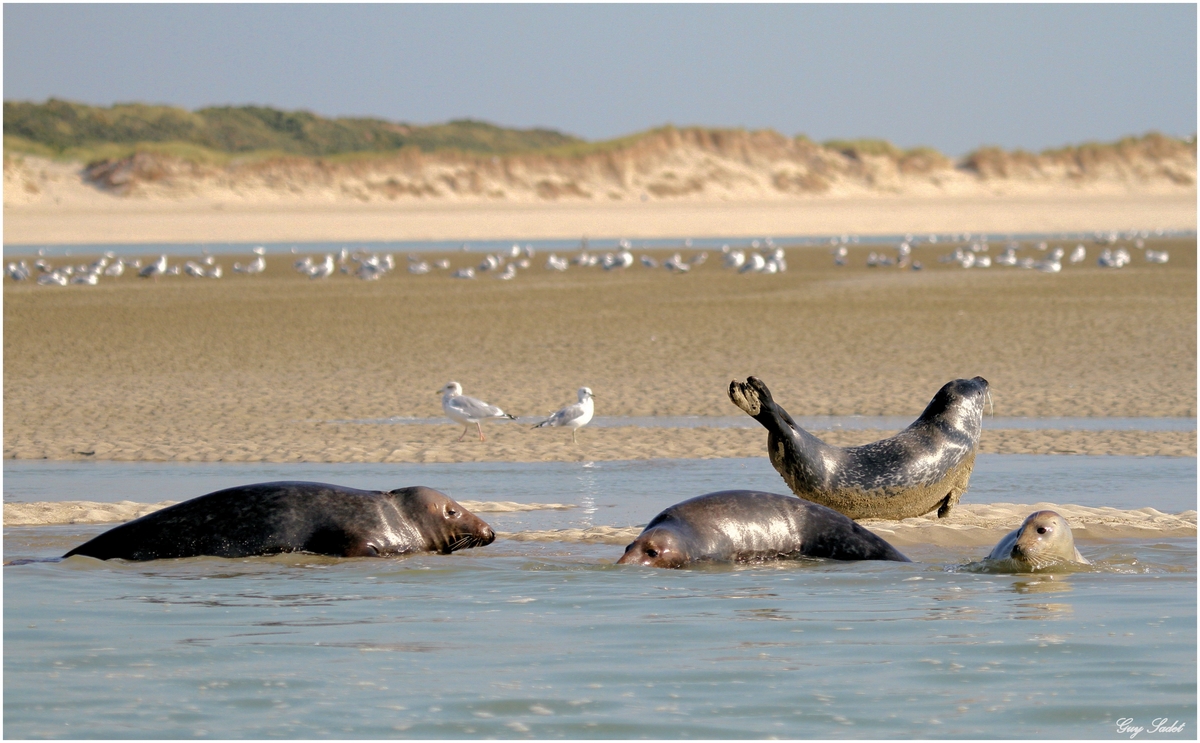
488,534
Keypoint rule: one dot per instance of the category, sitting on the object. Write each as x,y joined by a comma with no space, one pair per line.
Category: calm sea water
845,422
551,640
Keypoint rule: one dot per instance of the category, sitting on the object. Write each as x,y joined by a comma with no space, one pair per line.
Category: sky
949,76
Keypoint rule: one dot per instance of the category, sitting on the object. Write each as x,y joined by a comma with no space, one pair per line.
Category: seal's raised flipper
798,455
746,397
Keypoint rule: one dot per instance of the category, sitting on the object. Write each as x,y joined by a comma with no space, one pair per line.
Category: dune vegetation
82,132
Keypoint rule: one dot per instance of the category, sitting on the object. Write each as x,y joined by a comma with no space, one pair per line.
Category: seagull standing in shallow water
468,410
576,415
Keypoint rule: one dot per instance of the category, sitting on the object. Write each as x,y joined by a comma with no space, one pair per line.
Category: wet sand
269,368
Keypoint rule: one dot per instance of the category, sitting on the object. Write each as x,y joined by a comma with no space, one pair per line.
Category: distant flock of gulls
975,255
762,257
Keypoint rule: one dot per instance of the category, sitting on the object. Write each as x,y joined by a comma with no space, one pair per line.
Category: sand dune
670,183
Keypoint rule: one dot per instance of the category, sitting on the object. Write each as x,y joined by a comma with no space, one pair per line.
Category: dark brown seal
746,526
923,468
273,517
1043,539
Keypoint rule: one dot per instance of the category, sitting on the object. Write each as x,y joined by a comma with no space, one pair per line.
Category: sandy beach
88,216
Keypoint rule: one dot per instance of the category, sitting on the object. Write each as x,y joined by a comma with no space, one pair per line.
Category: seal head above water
274,517
925,467
1043,539
747,526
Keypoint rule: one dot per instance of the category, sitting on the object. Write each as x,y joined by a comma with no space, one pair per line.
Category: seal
925,467
1043,539
273,517
750,526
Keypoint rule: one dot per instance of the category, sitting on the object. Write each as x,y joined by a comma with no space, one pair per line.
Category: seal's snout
486,536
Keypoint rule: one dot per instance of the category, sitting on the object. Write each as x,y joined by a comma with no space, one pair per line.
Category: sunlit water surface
550,639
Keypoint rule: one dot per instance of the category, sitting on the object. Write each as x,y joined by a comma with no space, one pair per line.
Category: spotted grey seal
924,467
1043,539
273,517
745,526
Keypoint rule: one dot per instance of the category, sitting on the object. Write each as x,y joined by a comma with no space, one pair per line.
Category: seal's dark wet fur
747,525
274,517
925,467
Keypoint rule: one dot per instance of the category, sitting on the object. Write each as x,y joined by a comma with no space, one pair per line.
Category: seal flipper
792,450
948,503
332,540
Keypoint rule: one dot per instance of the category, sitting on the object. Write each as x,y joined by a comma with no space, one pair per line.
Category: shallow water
550,639
635,489
845,422
491,246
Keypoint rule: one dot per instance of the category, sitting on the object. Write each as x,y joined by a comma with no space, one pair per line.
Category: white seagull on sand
155,269
575,416
468,410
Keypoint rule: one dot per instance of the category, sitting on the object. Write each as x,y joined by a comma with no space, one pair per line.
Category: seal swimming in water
924,467
273,517
1043,539
746,525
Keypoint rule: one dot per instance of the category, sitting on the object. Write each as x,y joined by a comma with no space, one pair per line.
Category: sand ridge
970,524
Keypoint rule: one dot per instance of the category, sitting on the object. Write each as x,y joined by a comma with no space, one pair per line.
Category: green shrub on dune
61,127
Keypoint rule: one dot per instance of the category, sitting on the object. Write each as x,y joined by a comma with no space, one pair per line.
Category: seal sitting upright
924,467
745,526
1043,539
273,517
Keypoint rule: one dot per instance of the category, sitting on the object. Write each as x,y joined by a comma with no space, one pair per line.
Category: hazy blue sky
952,77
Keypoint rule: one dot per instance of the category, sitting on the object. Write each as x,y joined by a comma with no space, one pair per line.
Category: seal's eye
451,513
1042,530
651,552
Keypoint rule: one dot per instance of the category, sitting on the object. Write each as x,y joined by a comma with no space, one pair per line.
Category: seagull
155,269
322,270
576,415
468,410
